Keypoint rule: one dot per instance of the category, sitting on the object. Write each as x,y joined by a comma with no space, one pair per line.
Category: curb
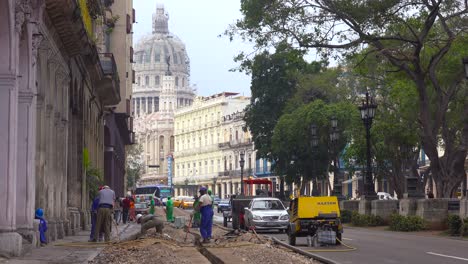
305,253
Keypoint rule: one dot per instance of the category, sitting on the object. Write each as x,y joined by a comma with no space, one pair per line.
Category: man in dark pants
104,215
125,209
206,210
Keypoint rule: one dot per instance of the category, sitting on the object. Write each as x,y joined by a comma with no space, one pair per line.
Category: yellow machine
315,217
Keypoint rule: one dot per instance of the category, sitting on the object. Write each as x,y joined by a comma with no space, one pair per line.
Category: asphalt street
376,246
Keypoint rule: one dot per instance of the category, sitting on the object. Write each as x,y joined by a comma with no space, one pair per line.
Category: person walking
169,210
117,211
132,209
125,209
42,226
104,214
206,211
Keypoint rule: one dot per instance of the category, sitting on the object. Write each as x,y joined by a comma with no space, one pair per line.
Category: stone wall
384,209
434,212
350,205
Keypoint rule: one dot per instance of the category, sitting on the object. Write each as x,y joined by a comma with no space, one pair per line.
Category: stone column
146,105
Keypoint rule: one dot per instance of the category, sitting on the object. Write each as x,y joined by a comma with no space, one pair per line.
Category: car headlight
257,217
284,217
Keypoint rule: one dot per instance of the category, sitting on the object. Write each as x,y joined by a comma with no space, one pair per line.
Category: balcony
108,87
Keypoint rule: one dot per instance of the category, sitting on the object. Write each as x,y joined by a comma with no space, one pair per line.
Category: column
146,105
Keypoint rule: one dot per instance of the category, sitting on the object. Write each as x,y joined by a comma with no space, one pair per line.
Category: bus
158,191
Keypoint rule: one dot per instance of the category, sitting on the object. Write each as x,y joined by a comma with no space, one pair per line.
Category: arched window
183,82
147,80
157,55
177,81
156,80
237,135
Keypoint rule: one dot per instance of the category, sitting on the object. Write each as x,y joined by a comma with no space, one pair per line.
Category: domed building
162,71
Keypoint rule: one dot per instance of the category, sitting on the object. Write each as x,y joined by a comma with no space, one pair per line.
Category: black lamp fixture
241,163
367,110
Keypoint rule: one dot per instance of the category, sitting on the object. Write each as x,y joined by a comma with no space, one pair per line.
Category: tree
274,80
413,36
135,164
291,140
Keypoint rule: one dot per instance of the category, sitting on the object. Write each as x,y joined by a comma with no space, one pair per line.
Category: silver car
266,213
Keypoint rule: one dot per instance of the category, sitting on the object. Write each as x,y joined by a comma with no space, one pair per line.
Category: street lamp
186,186
367,110
241,163
334,136
314,142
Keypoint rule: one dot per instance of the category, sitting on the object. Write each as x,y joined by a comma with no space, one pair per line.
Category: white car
266,213
385,196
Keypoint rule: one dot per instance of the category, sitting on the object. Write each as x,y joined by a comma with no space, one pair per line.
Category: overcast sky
198,24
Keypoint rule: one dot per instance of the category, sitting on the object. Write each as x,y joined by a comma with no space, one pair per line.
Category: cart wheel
291,240
225,220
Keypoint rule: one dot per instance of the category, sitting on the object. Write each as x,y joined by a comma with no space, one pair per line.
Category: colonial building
162,71
210,135
118,120
54,86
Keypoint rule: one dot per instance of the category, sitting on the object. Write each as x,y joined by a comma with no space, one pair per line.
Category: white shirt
205,200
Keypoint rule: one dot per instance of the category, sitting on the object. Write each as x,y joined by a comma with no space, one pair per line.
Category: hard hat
138,216
100,188
39,212
168,197
209,192
202,189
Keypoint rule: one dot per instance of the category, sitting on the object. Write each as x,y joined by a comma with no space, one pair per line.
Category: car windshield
267,205
141,205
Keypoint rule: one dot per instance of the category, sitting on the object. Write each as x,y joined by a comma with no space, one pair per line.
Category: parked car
177,201
385,196
187,203
266,213
141,208
216,200
224,205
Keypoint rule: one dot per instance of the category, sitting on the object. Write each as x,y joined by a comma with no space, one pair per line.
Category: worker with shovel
169,210
206,211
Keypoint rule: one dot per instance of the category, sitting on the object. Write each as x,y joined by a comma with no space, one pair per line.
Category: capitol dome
153,54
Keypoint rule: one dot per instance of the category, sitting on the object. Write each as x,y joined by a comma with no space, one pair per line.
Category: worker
169,210
212,197
206,211
104,217
149,221
196,216
42,226
152,210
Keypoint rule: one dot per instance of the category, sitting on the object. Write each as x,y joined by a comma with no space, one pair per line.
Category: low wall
349,205
408,207
384,208
434,212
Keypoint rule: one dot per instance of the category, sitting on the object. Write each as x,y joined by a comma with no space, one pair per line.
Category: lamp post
241,163
314,143
334,136
367,110
186,186
464,183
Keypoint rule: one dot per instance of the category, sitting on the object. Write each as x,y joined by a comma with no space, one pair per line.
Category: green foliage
94,179
365,220
135,164
455,225
346,216
274,79
406,223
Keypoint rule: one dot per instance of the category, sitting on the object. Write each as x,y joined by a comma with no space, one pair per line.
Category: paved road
375,246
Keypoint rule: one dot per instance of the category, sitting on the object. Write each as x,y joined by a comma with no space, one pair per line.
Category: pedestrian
42,226
196,216
132,209
104,217
125,209
117,210
149,221
206,211
94,210
151,209
430,194
169,210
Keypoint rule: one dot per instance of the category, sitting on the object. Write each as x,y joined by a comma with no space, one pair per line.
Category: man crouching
149,221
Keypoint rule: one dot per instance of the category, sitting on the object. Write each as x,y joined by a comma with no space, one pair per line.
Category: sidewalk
73,249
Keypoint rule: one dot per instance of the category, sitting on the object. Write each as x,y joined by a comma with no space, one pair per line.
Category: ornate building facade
162,71
210,135
54,86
